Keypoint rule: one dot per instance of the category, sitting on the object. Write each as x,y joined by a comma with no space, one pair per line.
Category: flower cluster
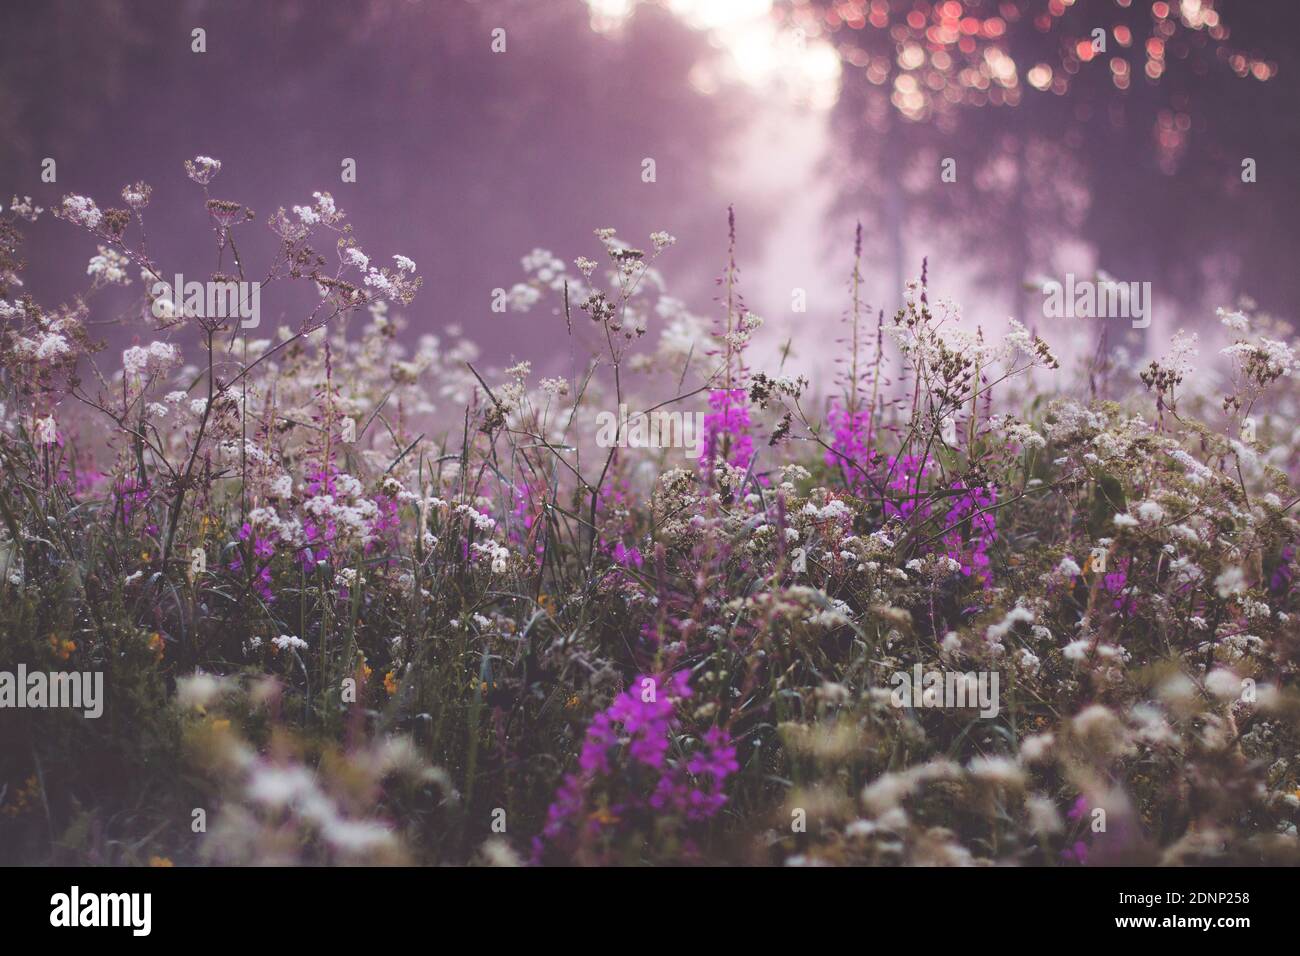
633,777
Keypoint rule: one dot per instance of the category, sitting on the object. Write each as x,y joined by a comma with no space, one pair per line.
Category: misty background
808,116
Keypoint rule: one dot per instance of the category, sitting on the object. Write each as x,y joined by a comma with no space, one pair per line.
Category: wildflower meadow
354,602
298,569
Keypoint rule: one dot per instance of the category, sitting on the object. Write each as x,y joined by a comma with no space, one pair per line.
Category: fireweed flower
1077,852
971,506
727,427
627,779
850,452
130,495
1116,583
907,472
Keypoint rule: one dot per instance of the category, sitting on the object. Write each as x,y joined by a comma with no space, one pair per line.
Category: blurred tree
1124,122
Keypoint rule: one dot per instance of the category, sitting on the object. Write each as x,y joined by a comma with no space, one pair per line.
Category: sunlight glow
754,50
